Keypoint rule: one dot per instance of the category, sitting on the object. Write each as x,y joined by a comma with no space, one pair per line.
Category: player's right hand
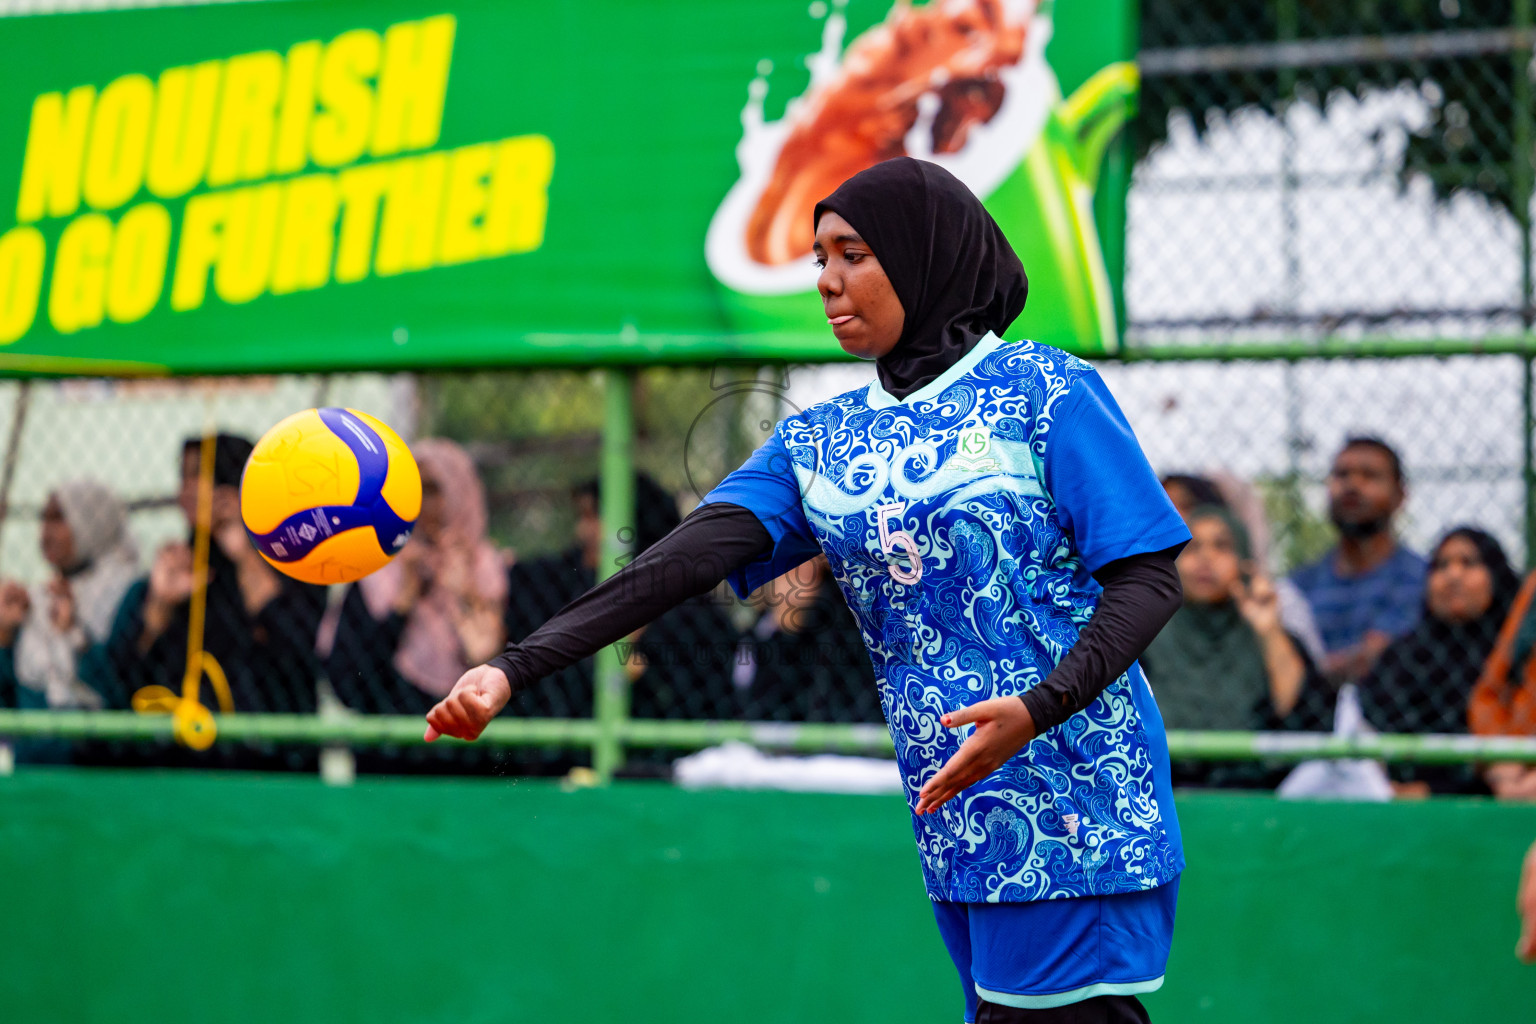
469,707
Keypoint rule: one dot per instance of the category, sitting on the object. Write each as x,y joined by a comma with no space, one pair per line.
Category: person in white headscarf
85,540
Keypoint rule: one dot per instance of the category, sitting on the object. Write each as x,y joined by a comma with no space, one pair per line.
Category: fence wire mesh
1304,173
1261,436
1311,170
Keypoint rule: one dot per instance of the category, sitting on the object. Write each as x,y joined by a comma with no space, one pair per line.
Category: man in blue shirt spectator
1370,588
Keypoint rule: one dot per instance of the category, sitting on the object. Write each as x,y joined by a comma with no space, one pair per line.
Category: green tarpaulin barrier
168,898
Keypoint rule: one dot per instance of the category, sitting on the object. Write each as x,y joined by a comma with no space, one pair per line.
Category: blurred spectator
260,625
14,606
804,660
1504,699
85,540
1424,678
1225,661
1188,492
1369,588
539,587
680,665
407,632
679,684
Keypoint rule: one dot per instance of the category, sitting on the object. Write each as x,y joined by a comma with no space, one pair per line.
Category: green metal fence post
1522,174
617,509
1528,458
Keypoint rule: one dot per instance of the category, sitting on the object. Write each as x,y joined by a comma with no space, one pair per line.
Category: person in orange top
1503,703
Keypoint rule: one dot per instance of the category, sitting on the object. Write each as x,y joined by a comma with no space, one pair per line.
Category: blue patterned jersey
963,524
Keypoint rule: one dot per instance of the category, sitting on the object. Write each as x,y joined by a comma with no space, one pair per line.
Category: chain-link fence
1311,180
114,466
1311,170
103,621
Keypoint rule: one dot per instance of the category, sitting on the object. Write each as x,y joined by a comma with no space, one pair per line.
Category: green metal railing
610,731
405,730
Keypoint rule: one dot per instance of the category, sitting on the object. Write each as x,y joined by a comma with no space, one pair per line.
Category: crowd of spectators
1414,645
1443,645
102,630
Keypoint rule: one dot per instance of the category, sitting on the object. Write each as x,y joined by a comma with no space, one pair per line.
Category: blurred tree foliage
536,435
1468,143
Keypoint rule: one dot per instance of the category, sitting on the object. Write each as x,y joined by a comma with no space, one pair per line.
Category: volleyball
330,495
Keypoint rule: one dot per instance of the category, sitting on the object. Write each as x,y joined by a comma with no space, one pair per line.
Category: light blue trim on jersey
1077,995
879,398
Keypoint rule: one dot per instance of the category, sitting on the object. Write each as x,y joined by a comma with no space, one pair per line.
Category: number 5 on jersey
891,540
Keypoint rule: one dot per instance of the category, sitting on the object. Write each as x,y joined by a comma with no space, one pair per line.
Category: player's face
1460,587
1363,490
862,307
1209,565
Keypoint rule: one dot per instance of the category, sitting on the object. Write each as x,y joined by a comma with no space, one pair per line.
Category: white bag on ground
1356,779
738,765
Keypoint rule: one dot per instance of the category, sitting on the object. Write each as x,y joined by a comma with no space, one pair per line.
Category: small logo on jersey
972,450
1071,821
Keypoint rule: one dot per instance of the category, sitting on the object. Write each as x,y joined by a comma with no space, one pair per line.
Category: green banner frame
333,185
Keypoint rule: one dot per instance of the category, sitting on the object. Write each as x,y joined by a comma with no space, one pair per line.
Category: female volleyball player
1008,552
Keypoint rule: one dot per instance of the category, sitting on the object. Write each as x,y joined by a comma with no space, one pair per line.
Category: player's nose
829,283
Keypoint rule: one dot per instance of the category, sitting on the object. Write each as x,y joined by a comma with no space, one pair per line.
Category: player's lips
838,321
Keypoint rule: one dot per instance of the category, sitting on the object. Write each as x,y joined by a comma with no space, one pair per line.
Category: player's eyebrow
846,238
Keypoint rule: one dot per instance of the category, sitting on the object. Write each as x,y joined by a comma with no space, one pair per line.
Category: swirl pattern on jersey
1002,595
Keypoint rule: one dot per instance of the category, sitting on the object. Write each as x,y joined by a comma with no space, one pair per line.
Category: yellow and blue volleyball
330,495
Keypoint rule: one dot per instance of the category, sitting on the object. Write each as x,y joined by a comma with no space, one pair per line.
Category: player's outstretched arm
714,541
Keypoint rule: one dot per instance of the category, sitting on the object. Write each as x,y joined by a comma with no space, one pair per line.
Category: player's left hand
1003,726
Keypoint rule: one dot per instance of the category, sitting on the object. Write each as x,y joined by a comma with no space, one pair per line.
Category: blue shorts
1054,952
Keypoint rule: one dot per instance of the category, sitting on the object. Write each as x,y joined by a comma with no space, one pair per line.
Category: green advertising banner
339,185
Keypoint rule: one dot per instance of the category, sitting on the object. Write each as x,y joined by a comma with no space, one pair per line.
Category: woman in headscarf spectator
1189,491
1424,678
407,632
1225,660
1504,700
85,540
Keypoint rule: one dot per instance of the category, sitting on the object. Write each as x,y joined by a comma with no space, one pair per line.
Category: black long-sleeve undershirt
1141,593
691,560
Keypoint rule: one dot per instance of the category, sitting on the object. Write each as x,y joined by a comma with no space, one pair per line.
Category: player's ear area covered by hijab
954,272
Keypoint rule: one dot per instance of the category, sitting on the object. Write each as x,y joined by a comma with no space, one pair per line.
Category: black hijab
1421,682
954,272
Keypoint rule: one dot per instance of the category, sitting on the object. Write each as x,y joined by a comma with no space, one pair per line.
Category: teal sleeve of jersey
767,486
1105,492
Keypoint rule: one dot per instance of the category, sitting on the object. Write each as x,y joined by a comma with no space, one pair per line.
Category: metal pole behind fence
617,509
13,448
1523,182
